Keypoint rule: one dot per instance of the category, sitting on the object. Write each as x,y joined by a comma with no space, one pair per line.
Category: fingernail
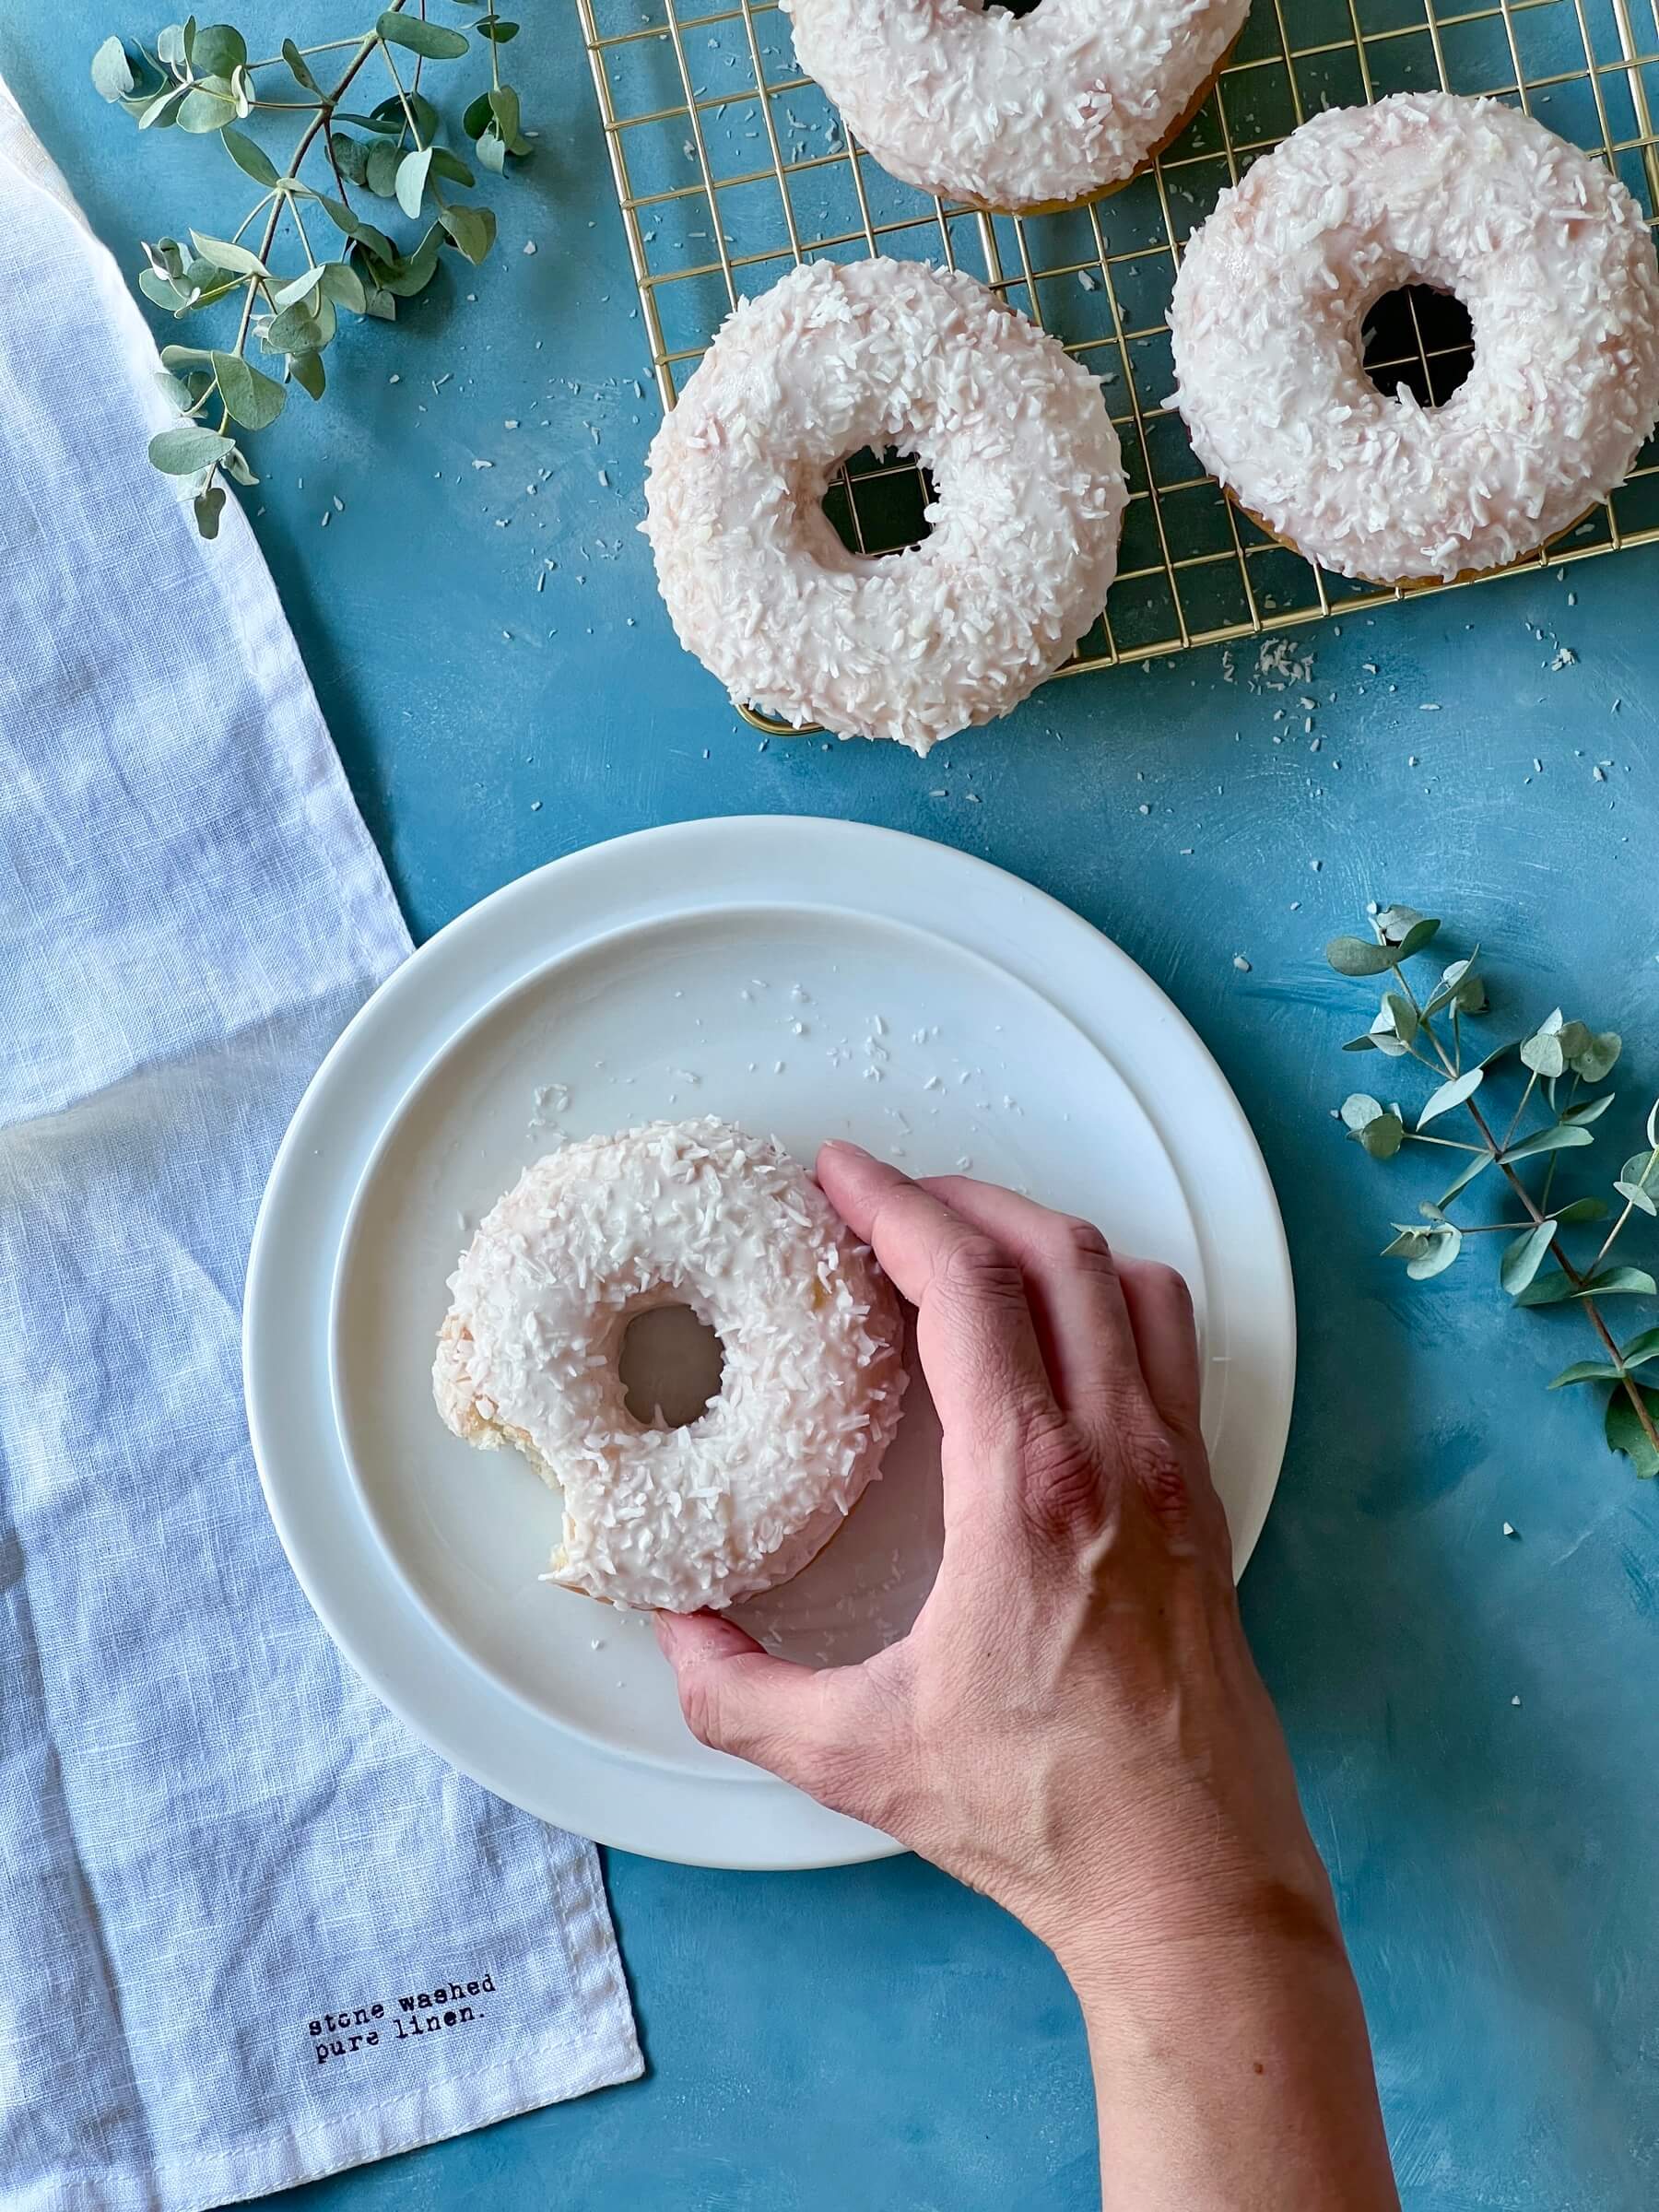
845,1144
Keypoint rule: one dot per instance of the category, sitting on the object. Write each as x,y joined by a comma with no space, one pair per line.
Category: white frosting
1012,111
1551,258
698,1213
1029,497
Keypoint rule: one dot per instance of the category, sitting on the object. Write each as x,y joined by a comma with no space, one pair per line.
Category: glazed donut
1028,501
1551,258
693,1213
1020,113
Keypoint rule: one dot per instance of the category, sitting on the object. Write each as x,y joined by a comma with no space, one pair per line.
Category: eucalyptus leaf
1590,1110
208,505
411,180
1382,1137
379,171
236,465
492,151
1560,1137
1447,1244
224,255
432,42
1359,1108
408,278
299,69
1634,1194
308,372
354,227
476,116
162,291
1409,1244
497,30
183,452
1397,922
301,288
1402,1014
1522,1259
1625,1432
394,115
341,283
1596,1058
172,391
1583,1209
202,111
220,48
351,159
253,398
472,230
1551,1289
112,75
1620,1282
1640,1349
1575,1039
249,155
295,330
161,112
173,48
451,167
178,357
1584,1371
1367,1043
505,106
1416,937
1455,1092
1543,1054
1353,956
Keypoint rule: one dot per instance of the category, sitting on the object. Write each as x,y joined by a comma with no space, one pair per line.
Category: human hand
1073,1723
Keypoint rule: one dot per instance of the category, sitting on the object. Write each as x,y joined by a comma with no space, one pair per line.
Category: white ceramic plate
807,978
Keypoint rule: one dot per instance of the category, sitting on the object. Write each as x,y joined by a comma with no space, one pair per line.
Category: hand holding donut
1073,1724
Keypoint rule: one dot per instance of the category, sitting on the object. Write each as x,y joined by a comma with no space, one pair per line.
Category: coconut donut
1028,498
1551,258
697,1214
1014,112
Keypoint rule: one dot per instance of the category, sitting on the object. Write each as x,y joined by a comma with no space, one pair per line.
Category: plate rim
827,1839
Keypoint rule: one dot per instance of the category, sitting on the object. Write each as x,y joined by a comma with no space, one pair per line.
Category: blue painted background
878,2038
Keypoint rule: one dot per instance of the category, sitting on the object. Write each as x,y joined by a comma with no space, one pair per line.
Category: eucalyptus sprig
199,78
1562,1063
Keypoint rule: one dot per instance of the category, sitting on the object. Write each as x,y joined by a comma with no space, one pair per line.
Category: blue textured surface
878,2038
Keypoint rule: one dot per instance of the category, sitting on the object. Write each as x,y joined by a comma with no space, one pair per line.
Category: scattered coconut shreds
1510,1529
1240,963
1515,1700
529,245
1564,658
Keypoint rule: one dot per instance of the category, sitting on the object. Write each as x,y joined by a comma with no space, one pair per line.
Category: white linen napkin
230,1881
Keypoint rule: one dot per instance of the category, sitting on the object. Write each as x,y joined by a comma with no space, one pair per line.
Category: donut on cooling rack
693,1213
1022,113
1546,252
1029,496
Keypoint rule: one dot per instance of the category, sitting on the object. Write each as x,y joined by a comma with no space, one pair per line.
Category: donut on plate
1551,258
1022,113
1028,496
693,1213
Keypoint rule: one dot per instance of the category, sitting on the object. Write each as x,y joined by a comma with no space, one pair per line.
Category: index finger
974,1331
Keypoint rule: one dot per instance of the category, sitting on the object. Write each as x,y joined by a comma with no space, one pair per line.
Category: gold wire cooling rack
730,166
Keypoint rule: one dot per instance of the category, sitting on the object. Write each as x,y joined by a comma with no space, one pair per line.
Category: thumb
737,1697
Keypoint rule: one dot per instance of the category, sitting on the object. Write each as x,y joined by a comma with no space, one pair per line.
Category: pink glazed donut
1014,112
1029,494
1551,258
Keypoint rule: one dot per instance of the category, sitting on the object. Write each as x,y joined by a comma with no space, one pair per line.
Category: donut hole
876,502
671,1366
1419,338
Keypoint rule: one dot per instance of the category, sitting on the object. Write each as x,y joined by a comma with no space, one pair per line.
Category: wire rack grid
730,166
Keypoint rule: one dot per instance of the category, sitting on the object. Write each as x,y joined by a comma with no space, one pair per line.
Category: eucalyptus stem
1406,1028
200,76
